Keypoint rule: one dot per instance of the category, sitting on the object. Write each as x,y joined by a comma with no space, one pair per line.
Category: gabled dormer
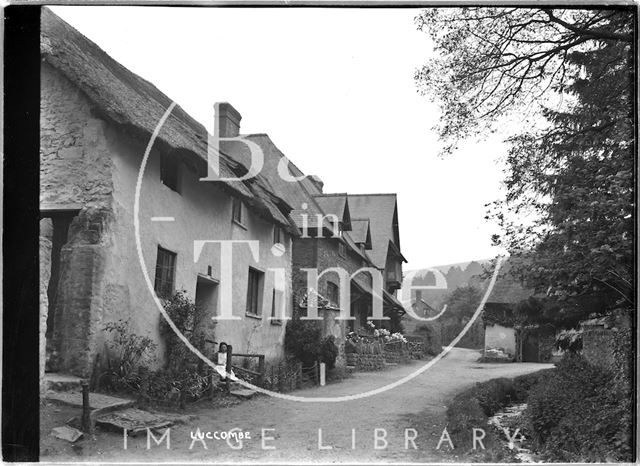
338,206
361,233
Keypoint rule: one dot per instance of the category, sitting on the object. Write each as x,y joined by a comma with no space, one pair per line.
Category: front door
530,347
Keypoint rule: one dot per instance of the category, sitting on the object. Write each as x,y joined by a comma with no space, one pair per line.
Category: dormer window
342,249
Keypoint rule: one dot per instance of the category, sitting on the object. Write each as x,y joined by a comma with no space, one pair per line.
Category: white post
323,368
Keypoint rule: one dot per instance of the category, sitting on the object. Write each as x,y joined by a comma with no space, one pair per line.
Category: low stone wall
366,362
369,356
396,353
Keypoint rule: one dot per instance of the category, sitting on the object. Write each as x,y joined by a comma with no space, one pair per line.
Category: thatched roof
303,194
137,105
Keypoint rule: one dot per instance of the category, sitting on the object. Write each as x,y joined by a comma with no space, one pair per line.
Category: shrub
494,395
329,351
302,339
130,351
431,337
183,376
463,415
523,384
576,414
569,340
187,318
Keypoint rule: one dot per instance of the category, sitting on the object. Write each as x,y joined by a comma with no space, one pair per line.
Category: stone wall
597,346
75,167
368,356
75,175
323,254
81,291
397,357
500,337
46,233
366,362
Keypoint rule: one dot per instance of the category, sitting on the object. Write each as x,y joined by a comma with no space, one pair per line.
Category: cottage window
254,292
333,293
276,305
277,234
170,171
342,249
165,273
237,210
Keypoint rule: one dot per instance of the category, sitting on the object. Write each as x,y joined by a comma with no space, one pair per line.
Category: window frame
254,302
331,287
160,283
273,320
342,249
237,209
277,235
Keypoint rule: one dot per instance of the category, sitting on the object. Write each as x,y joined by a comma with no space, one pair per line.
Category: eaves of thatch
135,104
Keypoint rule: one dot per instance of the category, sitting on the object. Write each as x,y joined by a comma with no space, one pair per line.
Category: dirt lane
419,404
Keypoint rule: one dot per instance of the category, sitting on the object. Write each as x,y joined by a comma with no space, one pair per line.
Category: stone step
390,363
138,421
62,382
99,404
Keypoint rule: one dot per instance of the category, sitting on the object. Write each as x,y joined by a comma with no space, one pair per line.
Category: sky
334,90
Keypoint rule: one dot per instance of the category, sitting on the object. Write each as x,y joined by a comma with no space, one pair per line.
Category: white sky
334,90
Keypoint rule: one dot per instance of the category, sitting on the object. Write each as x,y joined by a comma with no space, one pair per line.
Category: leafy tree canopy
563,78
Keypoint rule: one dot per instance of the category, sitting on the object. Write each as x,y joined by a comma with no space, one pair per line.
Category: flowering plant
397,337
381,332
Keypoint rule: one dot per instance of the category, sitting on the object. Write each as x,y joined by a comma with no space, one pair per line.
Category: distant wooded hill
456,275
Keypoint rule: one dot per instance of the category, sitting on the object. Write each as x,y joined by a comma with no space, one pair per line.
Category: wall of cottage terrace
202,211
91,164
323,254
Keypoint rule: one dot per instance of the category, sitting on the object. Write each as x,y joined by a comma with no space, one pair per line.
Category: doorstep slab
62,382
136,421
97,401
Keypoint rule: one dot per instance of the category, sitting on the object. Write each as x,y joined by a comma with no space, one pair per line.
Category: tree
461,305
567,75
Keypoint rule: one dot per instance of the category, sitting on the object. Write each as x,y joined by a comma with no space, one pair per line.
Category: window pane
253,292
165,272
237,210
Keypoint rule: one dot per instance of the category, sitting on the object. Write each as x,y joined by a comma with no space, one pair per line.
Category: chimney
315,179
227,120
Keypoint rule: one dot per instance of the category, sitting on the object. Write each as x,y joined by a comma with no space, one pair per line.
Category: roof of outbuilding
507,289
381,210
125,98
